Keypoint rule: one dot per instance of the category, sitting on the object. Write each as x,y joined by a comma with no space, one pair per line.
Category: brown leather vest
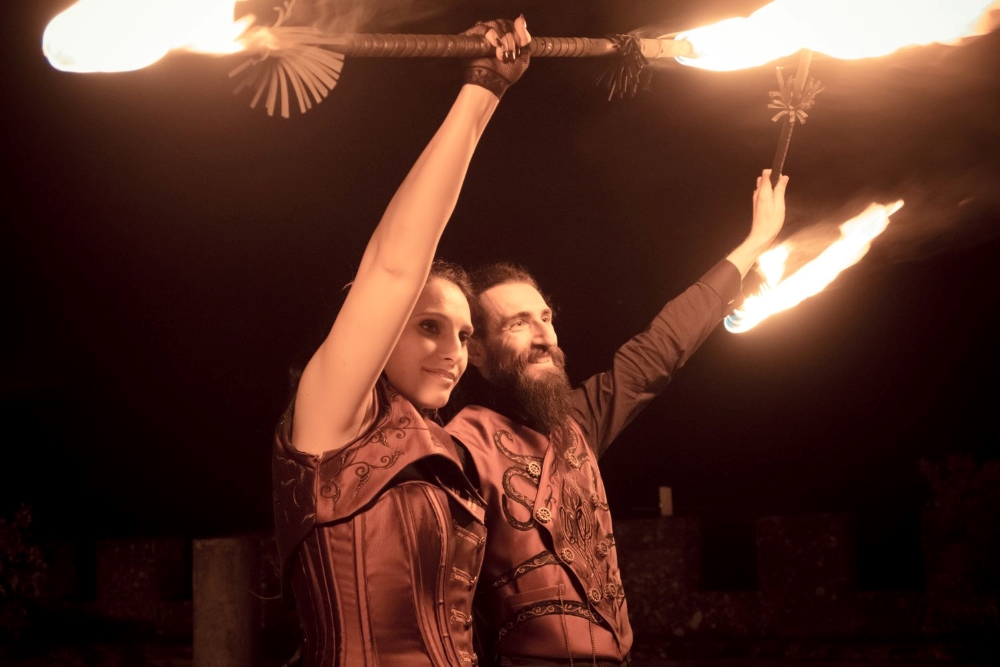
381,543
550,582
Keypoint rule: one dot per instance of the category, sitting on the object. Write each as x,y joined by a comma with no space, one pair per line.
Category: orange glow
847,29
778,293
124,35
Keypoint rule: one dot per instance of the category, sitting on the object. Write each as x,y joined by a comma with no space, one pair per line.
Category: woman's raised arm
334,397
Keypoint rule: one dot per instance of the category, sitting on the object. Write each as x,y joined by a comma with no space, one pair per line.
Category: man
550,590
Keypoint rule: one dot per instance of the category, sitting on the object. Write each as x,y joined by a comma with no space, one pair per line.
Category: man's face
518,354
519,332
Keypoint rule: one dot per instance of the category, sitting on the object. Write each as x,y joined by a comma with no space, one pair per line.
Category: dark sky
168,253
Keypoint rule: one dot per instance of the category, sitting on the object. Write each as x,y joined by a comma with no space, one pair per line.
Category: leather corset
381,543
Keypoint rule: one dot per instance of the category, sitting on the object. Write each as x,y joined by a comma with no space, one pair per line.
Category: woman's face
432,351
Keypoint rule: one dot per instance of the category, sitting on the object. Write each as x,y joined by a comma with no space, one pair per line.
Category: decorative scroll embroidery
337,469
569,451
570,607
362,469
528,468
595,497
576,518
533,563
580,505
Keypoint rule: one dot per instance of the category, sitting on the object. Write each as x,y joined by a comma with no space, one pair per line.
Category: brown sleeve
607,402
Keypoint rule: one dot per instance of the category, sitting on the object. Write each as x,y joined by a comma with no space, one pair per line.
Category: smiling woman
373,511
431,353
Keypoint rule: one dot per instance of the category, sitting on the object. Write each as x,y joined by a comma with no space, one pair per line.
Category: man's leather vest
550,581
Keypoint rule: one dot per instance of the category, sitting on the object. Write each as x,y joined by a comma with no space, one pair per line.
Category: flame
847,29
778,293
125,35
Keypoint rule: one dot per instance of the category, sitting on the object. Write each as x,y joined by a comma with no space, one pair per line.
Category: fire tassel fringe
631,70
293,57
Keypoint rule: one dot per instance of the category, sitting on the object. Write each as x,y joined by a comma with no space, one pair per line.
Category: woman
379,532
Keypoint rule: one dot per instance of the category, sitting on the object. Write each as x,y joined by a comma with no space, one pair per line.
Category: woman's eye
430,326
464,337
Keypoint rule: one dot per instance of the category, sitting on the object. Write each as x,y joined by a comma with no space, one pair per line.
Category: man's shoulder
477,425
470,419
473,427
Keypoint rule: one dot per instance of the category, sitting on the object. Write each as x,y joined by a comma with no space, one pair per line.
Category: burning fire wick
793,102
288,63
779,292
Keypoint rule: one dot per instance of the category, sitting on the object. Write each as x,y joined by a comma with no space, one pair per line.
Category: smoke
948,213
365,15
990,20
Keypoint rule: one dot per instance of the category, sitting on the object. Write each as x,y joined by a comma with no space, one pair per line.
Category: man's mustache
536,355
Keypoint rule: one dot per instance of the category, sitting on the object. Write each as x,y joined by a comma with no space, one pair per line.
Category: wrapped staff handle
374,45
301,64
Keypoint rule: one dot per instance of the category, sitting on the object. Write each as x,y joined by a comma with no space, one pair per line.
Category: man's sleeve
607,402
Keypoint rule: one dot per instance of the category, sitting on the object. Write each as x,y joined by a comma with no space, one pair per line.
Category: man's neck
477,390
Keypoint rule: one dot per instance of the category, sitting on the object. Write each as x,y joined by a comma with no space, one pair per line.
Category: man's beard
543,399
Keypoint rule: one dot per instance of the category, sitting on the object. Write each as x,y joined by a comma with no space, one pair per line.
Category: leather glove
498,73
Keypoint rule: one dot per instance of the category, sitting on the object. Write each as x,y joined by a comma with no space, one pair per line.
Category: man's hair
491,275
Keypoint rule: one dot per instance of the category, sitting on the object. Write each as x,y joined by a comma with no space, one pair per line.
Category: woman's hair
454,274
440,268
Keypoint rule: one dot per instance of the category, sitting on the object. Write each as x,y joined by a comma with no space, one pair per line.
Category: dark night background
168,254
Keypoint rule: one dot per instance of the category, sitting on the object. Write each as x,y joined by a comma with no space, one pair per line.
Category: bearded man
550,590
